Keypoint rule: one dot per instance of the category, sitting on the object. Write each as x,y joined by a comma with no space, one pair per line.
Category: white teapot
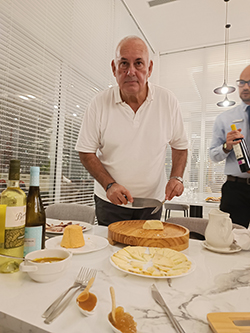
218,232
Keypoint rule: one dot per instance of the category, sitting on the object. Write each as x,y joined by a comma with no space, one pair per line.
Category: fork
61,307
158,207
78,282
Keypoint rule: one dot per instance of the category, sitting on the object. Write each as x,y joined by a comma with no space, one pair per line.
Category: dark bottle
35,215
241,153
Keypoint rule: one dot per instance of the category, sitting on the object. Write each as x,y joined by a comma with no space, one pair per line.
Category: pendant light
225,89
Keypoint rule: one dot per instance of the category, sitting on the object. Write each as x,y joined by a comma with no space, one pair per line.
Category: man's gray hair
130,37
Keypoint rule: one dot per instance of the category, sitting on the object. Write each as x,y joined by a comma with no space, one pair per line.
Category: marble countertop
219,283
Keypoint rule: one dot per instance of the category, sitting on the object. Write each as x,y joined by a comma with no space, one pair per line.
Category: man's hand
119,195
174,188
231,136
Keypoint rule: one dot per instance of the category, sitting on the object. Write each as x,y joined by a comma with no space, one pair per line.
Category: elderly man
124,136
236,190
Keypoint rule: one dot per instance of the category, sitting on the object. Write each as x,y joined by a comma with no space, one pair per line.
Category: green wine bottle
12,229
35,215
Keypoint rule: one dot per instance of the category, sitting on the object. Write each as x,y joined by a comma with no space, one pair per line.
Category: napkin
242,237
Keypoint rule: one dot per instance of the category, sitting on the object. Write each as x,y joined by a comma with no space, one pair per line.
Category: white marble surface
220,282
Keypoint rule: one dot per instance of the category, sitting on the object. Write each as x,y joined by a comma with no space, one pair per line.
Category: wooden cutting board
173,236
222,322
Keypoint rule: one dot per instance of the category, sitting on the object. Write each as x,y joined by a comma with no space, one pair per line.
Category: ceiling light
226,103
225,89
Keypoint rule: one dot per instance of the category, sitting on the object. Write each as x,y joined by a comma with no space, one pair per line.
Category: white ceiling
185,24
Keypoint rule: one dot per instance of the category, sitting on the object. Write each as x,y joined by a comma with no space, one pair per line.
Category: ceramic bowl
85,312
48,271
112,326
115,330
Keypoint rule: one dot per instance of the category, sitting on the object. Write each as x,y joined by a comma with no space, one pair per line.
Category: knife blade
158,298
145,202
243,322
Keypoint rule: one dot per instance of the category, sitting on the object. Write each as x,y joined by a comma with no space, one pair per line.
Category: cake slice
72,237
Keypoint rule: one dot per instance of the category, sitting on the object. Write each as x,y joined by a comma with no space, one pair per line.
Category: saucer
231,249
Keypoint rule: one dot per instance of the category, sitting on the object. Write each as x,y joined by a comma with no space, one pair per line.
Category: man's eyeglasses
241,83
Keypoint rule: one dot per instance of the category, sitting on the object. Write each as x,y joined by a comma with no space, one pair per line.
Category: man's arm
116,193
174,187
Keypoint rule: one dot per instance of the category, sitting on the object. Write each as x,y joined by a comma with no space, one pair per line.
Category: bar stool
173,206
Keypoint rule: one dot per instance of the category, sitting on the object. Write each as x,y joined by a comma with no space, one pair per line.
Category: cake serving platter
92,243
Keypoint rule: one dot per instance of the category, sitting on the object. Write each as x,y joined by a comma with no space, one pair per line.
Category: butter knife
158,298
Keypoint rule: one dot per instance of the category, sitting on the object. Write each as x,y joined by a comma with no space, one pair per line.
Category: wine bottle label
14,227
15,216
241,162
14,237
238,151
33,239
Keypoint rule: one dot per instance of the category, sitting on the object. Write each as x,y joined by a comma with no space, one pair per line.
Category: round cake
72,237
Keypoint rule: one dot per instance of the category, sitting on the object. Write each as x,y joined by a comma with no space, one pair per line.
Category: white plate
92,243
55,222
213,201
232,249
193,266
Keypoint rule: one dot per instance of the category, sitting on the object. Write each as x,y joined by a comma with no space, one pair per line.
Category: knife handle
174,322
60,308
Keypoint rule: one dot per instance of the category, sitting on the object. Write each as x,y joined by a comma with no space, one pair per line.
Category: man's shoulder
160,91
106,92
231,113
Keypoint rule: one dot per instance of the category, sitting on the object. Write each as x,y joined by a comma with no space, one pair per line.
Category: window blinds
55,56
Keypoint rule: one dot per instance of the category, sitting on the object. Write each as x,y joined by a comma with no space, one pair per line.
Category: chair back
173,206
71,211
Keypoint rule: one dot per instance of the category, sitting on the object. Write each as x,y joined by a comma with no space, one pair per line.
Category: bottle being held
35,215
12,220
241,153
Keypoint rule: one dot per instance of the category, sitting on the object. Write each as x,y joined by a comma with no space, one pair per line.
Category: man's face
244,91
132,67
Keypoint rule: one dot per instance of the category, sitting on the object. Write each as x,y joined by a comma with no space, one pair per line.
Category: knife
145,202
158,298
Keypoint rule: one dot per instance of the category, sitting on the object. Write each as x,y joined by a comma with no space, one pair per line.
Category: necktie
248,112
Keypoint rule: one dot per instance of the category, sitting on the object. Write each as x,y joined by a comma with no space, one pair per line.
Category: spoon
19,258
112,292
85,294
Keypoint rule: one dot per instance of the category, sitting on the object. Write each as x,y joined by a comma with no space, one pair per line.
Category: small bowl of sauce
46,265
124,321
88,307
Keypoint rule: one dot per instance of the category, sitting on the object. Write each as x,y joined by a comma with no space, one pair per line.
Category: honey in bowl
123,321
47,259
89,304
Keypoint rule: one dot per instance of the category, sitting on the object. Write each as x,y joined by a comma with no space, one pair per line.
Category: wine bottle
12,229
241,153
35,215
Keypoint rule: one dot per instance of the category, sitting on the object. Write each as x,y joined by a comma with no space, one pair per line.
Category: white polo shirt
132,146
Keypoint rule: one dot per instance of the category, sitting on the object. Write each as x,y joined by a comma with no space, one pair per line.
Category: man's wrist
225,148
109,185
180,179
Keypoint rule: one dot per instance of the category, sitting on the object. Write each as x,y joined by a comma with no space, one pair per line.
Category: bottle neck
34,190
13,183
